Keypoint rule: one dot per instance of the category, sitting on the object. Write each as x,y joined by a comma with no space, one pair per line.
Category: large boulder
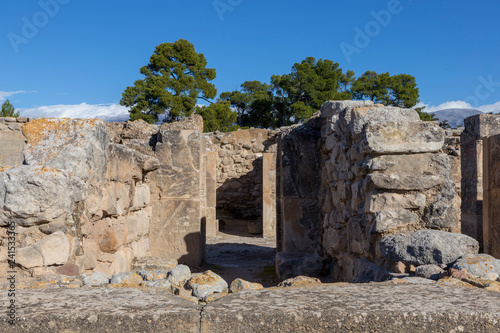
31,195
425,247
481,266
51,250
206,284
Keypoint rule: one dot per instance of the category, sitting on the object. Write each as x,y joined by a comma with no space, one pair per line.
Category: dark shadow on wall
195,245
240,198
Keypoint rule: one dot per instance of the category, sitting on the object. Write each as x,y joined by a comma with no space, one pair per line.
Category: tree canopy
217,117
175,78
8,110
294,97
398,90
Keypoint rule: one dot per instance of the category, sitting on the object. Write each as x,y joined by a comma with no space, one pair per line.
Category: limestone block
360,116
91,253
78,146
390,219
34,194
334,241
123,260
142,197
140,248
426,247
95,279
402,182
206,284
179,275
52,250
402,137
331,108
29,257
376,202
240,284
116,198
175,230
136,224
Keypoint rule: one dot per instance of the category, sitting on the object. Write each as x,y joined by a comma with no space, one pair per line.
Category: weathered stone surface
102,310
179,275
376,202
206,284
31,195
300,281
432,272
52,250
162,284
360,116
390,219
126,279
154,263
426,247
96,279
153,275
356,308
402,182
291,264
402,137
240,284
481,266
78,146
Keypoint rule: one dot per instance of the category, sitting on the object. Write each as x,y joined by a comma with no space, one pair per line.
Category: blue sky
75,58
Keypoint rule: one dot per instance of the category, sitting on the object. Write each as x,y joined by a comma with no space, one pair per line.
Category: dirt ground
234,253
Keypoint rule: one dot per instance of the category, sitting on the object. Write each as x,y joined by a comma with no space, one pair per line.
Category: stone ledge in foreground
328,308
100,310
356,308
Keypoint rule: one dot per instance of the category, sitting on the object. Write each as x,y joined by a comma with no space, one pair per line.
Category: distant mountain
112,119
455,117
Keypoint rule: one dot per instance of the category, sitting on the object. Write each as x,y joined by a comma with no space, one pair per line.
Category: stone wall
239,170
94,196
13,141
382,173
476,129
491,195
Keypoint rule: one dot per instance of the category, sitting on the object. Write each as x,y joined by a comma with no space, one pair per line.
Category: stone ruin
361,191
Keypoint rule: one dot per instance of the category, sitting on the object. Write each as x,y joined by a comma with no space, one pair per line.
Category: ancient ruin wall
476,129
382,172
94,196
239,170
491,195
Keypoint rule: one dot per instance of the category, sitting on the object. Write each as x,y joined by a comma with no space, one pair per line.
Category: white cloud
5,94
110,112
490,107
447,105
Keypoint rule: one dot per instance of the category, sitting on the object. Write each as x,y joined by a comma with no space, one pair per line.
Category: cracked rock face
426,247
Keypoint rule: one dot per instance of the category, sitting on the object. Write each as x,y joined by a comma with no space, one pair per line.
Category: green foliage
290,98
397,90
444,124
175,78
218,117
8,110
424,116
